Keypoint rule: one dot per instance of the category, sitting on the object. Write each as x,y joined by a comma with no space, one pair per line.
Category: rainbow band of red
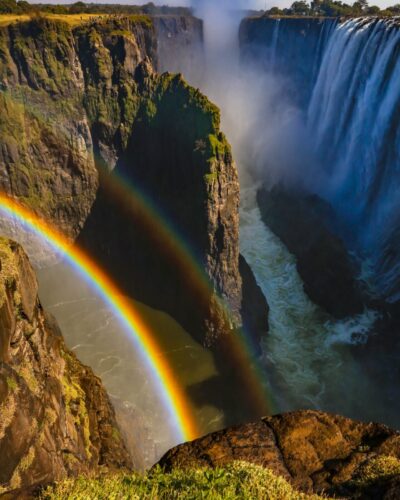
166,385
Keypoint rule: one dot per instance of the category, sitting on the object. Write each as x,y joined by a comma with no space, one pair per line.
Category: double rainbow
167,386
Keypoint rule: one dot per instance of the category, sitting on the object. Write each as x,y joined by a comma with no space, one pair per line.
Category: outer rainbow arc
181,255
238,344
170,390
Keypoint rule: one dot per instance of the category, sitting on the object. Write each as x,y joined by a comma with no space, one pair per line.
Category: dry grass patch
71,19
7,19
76,19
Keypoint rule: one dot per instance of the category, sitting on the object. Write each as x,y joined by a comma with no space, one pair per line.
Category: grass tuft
239,480
375,470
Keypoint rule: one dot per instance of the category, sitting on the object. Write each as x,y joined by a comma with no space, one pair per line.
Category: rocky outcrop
175,128
55,416
327,271
46,155
62,114
94,104
313,450
254,308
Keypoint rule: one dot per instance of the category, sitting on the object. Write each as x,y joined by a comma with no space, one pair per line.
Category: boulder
316,451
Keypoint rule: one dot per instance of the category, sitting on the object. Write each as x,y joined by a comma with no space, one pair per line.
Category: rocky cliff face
180,46
315,451
46,155
81,103
55,416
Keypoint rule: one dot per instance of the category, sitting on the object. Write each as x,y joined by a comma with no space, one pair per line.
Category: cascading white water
274,44
353,117
307,352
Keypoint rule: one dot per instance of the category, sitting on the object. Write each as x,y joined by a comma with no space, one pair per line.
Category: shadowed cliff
94,104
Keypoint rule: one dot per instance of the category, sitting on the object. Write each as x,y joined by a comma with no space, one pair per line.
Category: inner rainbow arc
169,389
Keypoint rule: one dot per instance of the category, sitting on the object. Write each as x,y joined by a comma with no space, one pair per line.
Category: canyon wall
289,47
55,416
180,46
84,102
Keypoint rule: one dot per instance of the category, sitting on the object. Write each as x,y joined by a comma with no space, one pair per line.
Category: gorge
277,76
283,233
351,167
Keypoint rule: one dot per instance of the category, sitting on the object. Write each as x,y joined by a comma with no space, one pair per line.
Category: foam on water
308,352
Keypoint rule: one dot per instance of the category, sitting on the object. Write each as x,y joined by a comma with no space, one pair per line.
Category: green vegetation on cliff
239,480
8,270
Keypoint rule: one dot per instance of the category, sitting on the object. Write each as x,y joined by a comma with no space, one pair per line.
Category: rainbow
238,343
168,388
157,226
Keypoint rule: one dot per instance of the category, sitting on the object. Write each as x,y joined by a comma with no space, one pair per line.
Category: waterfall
274,44
288,48
353,117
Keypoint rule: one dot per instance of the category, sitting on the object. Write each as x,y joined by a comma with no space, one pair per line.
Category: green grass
239,480
375,470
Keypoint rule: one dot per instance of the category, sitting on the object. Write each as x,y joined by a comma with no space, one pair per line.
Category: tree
374,10
395,9
8,7
316,6
24,6
149,8
357,8
77,8
275,11
300,7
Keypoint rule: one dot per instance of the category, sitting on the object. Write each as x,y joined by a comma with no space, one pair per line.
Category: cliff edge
55,417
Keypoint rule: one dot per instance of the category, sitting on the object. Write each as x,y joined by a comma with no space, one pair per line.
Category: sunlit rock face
315,451
55,416
46,157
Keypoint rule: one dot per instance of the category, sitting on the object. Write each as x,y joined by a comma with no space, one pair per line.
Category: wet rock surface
323,262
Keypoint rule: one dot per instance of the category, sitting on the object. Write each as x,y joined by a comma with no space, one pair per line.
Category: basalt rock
254,308
55,416
323,262
315,451
46,155
68,101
